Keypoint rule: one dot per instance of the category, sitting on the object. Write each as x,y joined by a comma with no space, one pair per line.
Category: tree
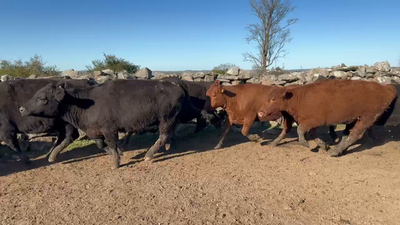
271,33
35,65
113,63
223,68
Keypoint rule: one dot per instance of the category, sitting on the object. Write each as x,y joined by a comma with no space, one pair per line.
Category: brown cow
241,102
331,102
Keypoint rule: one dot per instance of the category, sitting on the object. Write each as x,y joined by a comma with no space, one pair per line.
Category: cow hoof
217,147
305,144
51,160
167,146
148,158
254,137
324,147
333,153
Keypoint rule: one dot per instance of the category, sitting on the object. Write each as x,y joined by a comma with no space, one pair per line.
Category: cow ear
60,93
287,95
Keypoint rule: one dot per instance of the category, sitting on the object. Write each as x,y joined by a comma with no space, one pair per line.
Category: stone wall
380,72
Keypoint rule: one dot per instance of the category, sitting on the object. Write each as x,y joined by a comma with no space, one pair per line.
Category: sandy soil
243,183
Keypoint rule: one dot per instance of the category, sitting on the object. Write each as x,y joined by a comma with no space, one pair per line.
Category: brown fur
241,102
332,102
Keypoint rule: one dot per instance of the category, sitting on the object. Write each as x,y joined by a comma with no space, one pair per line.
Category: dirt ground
243,183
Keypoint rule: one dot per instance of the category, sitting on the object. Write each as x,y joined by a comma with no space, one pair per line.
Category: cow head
275,103
45,102
215,96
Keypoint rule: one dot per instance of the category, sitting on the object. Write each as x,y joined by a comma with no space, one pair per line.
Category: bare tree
271,33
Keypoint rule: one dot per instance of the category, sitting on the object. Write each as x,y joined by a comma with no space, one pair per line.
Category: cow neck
73,105
229,101
291,105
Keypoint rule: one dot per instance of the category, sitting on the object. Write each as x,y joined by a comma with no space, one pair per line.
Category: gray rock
369,75
233,71
199,75
339,74
382,66
320,71
209,78
280,82
379,74
245,74
355,78
267,82
102,79
108,71
361,71
384,80
71,73
144,73
236,82
253,80
227,77
5,78
159,76
319,77
198,79
288,77
33,76
123,75
224,80
343,65
187,76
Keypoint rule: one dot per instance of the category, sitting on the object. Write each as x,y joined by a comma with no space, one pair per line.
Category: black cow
116,106
15,93
197,92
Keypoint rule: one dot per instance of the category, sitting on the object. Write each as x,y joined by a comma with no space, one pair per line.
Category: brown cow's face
215,96
275,102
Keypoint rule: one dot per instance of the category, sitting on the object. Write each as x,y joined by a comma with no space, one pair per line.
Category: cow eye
214,95
42,100
273,99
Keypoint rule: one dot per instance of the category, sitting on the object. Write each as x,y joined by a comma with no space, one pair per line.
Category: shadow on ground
185,143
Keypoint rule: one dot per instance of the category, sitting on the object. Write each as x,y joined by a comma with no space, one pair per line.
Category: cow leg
332,133
227,127
302,140
246,128
317,140
356,133
200,124
70,135
127,139
287,125
165,128
111,139
12,141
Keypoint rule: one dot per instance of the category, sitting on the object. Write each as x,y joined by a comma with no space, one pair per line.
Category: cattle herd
63,106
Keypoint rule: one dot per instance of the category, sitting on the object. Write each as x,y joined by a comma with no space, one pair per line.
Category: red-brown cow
241,102
331,102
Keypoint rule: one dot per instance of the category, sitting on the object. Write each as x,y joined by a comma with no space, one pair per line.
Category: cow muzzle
23,111
262,114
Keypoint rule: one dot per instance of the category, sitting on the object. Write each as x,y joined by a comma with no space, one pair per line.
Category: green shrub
221,69
113,63
35,65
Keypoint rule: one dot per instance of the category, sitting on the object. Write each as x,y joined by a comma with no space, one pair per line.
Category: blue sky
194,34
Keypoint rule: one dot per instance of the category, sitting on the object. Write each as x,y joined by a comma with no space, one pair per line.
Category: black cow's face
45,102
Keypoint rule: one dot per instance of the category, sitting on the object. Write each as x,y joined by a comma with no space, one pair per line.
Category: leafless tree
271,33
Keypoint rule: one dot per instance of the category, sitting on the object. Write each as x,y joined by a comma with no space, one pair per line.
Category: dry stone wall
379,72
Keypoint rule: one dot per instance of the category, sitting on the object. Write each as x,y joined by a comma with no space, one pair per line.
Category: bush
113,63
35,65
221,69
